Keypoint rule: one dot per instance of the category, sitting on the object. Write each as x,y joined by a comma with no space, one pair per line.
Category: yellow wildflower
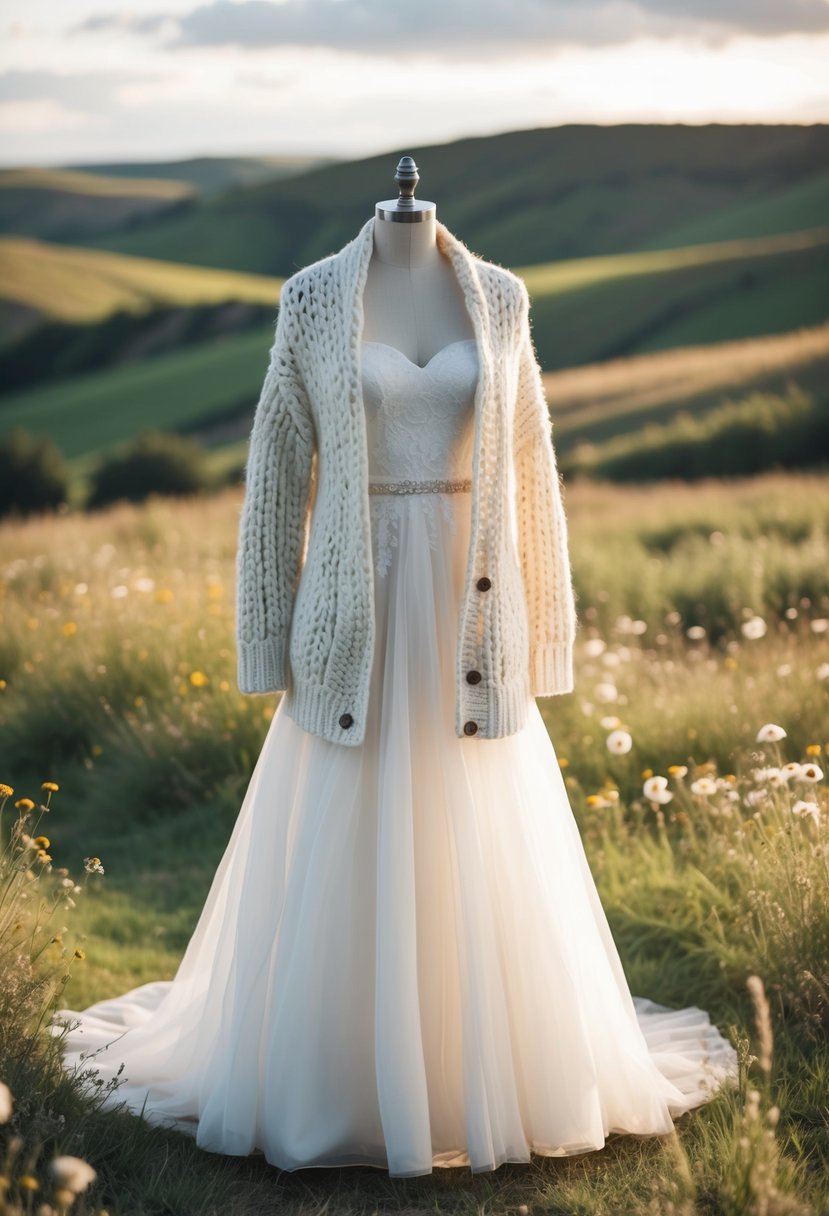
563,762
28,1182
198,679
2,683
49,785
647,772
24,804
6,791
69,628
163,595
813,749
42,842
79,953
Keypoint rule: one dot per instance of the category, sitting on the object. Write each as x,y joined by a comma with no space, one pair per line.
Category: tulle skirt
403,960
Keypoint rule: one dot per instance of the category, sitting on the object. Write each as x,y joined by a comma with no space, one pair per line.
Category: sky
92,80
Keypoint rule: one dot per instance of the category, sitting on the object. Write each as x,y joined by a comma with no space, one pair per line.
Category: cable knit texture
304,568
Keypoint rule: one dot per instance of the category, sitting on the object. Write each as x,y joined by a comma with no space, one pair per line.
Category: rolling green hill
80,203
64,204
523,197
83,285
211,174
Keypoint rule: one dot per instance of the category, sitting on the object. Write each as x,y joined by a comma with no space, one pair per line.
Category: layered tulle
403,960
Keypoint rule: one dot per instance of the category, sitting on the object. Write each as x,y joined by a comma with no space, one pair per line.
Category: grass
118,682
69,283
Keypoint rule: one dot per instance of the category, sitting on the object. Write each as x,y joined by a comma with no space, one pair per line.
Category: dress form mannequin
412,299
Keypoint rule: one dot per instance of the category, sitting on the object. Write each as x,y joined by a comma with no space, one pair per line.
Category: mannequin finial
407,178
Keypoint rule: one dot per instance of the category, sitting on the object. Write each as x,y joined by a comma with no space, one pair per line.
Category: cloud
463,28
80,91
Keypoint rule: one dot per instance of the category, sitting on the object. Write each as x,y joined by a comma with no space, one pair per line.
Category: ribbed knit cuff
551,669
261,665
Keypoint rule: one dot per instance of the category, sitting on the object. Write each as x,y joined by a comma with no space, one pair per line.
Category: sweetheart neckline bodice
420,366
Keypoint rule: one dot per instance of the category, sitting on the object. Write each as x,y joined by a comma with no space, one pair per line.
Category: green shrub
155,462
33,474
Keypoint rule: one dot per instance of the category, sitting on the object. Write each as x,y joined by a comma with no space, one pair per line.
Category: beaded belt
420,487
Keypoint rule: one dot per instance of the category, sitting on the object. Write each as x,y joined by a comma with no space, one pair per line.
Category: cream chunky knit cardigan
305,590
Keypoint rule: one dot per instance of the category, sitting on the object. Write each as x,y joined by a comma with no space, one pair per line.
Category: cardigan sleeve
272,523
542,527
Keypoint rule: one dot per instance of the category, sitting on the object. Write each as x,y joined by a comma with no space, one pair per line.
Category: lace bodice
418,418
420,426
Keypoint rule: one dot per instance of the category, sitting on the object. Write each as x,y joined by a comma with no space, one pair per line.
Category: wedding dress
402,960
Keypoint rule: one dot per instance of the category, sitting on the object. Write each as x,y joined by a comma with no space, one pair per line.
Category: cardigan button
473,677
470,728
346,720
484,584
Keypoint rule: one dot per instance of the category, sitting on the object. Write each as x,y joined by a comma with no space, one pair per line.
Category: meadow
117,685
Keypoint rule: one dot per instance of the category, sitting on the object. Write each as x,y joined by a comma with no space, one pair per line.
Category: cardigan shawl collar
324,662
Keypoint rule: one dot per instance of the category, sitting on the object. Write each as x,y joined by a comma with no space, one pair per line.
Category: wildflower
607,691
677,770
144,584
163,595
695,632
119,592
49,785
754,627
819,625
619,742
28,1182
73,1173
814,749
6,791
704,786
5,1103
597,800
610,722
770,733
655,788
594,647
810,772
79,953
563,762
42,842
92,865
24,804
198,679
69,627
789,770
822,672
802,807
753,797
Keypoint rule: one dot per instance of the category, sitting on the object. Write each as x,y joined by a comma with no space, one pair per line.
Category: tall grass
703,618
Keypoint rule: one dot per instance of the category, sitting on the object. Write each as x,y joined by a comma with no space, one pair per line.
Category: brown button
470,728
484,584
473,677
346,720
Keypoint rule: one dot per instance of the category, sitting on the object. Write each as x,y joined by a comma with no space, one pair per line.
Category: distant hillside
524,197
211,174
81,203
67,205
40,282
